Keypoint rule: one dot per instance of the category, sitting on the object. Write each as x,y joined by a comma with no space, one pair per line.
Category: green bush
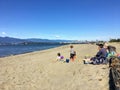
114,40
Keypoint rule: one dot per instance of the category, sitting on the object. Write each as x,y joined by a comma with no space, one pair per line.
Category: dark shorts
72,56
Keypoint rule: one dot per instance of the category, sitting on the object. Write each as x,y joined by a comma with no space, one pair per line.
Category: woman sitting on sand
99,57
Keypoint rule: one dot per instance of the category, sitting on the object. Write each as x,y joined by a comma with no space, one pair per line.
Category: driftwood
116,72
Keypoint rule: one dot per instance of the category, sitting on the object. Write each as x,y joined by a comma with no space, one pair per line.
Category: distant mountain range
47,40
11,40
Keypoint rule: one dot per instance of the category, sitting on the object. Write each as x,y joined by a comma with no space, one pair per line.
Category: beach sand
38,71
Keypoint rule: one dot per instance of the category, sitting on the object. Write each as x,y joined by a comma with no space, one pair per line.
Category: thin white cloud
57,36
3,33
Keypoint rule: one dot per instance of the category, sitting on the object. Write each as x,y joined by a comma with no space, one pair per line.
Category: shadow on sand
111,82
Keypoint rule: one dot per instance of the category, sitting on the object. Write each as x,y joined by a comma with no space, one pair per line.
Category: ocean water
7,50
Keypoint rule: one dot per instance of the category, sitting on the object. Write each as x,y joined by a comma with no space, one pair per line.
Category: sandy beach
38,71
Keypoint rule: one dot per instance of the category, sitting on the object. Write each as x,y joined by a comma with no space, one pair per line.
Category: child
111,52
59,57
72,53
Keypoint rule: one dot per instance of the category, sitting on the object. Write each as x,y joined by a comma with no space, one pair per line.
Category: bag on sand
67,60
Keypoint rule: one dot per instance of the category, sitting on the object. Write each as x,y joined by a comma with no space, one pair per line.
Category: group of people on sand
105,52
72,55
103,55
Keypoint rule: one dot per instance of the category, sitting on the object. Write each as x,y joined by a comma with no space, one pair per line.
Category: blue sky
60,19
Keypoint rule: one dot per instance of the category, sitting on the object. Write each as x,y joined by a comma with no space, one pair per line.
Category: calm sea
7,50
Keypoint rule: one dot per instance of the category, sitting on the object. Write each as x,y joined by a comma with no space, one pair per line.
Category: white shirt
72,51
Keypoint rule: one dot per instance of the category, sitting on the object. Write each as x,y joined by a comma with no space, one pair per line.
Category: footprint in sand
74,73
99,79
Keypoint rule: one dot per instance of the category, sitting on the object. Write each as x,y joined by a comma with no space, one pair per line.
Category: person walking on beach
72,53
